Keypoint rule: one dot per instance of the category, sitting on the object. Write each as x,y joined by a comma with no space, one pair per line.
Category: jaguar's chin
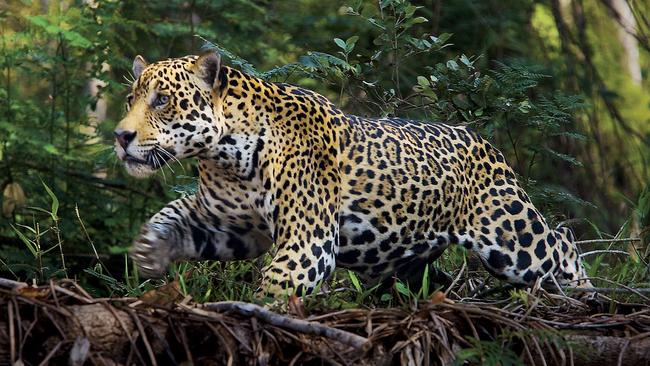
138,169
143,167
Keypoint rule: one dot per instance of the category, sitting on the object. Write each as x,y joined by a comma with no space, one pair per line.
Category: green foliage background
545,82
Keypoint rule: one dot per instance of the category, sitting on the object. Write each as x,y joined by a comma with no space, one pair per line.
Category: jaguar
281,169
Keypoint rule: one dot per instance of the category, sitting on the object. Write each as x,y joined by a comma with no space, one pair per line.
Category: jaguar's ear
207,68
139,63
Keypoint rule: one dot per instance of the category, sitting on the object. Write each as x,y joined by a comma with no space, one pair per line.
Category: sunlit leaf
419,20
355,281
402,289
339,42
13,198
422,81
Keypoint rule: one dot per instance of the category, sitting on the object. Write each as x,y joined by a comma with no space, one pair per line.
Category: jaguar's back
409,189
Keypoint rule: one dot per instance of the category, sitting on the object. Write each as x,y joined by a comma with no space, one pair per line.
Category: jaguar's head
571,269
170,113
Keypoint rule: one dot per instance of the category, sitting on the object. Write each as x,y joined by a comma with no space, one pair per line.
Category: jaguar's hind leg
515,242
412,273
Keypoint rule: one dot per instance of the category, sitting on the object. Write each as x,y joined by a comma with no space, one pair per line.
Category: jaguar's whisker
158,152
159,158
171,156
157,162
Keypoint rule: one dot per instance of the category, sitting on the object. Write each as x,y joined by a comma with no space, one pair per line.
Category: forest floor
61,323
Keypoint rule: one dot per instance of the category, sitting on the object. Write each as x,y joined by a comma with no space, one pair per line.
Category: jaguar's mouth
154,158
133,160
151,161
158,156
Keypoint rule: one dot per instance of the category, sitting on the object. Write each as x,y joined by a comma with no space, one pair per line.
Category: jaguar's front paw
151,251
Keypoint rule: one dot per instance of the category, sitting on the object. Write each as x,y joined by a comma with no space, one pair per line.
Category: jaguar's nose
124,138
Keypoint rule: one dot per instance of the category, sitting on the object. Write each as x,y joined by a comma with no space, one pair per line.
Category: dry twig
283,321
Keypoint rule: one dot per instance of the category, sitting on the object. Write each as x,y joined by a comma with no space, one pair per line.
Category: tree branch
283,321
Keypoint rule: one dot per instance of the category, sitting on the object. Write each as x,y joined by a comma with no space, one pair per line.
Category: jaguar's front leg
301,262
182,231
307,241
154,249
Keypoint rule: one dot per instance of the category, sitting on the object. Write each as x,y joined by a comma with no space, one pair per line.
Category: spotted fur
282,165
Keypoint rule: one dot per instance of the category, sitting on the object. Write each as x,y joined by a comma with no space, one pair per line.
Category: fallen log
61,324
595,350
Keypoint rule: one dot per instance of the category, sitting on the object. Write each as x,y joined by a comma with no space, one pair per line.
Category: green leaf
236,60
452,65
39,20
419,20
322,61
460,101
114,249
55,202
74,38
384,3
442,38
571,135
28,243
51,149
466,61
31,229
558,195
524,106
564,157
355,281
430,94
467,354
350,43
423,82
425,282
376,23
402,289
7,126
410,10
308,62
339,42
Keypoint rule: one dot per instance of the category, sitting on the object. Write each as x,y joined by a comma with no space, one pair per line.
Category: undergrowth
504,103
213,281
612,262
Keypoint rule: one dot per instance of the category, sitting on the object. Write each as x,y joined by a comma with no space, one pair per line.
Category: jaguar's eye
161,100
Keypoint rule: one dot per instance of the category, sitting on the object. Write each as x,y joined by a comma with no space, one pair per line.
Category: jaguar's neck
243,105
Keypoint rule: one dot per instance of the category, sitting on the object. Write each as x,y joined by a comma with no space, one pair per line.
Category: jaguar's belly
376,257
398,204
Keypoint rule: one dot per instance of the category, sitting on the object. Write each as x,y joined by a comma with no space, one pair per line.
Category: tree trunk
626,25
